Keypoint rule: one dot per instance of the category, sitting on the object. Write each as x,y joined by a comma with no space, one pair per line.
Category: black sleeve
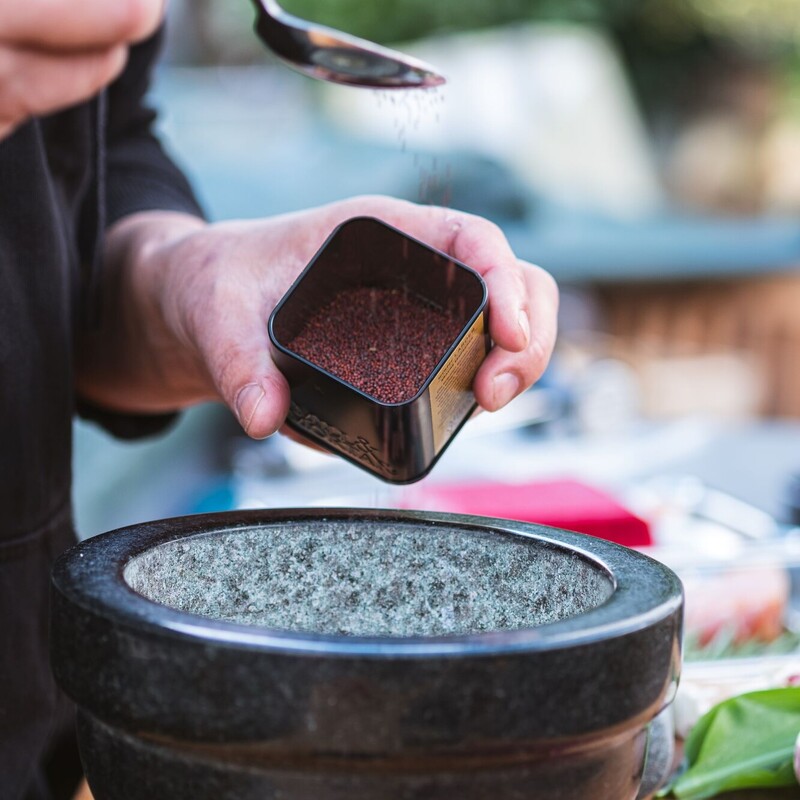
139,174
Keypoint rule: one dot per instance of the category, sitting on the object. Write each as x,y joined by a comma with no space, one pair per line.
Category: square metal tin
397,442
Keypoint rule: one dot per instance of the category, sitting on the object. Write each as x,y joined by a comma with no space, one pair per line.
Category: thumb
261,404
238,357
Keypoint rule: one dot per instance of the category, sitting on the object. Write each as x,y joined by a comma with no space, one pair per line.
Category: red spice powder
384,342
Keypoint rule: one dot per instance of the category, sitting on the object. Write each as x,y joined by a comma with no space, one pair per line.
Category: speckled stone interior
368,578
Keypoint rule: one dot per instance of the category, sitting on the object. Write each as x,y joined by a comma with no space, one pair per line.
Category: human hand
56,53
196,303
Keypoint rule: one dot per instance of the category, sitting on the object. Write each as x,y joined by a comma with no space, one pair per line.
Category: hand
56,53
193,303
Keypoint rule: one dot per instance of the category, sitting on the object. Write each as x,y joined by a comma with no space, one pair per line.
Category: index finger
70,25
481,245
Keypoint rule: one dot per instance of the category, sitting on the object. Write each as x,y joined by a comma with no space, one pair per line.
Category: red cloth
567,504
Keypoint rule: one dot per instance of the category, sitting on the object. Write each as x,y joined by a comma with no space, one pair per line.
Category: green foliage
397,20
724,644
663,20
745,742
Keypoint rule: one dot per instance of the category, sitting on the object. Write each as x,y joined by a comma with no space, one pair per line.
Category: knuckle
491,228
507,280
517,283
135,19
31,85
12,98
226,364
552,286
373,205
7,63
99,71
538,357
480,227
544,280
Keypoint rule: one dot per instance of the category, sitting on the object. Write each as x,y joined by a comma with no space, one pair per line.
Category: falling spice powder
385,342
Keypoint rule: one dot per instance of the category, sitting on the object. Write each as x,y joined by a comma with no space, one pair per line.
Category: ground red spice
384,342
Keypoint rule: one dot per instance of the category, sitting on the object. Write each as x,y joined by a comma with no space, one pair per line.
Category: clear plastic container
741,620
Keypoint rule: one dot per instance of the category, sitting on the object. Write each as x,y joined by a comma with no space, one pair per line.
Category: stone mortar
352,654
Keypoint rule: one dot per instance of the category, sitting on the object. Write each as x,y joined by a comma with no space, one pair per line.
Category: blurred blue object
582,249
255,146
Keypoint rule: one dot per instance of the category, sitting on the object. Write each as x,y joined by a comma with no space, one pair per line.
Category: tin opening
378,309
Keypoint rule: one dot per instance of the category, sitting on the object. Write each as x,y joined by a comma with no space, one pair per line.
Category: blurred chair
754,318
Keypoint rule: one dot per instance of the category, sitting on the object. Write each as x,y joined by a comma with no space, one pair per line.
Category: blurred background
647,153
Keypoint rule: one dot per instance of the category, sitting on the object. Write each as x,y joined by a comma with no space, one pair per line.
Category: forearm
133,360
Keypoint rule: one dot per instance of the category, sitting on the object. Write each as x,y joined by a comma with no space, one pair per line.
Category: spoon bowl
330,55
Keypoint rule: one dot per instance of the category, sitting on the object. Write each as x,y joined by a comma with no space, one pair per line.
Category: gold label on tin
451,389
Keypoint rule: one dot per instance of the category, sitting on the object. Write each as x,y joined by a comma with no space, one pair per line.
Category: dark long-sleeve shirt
63,180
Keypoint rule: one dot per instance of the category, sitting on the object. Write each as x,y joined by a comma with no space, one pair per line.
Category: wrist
137,240
136,359
138,251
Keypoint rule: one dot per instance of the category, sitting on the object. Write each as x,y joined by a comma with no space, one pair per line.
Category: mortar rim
91,575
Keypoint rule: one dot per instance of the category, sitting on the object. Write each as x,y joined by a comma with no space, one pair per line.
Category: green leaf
745,742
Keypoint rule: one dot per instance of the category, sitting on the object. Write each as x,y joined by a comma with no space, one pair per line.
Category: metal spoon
330,55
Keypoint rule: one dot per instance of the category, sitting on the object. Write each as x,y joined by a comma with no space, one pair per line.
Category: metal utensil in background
331,55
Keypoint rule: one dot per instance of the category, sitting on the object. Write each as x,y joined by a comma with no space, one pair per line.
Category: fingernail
525,325
505,388
248,399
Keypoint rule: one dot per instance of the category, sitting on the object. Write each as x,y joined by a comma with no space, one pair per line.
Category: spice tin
380,338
